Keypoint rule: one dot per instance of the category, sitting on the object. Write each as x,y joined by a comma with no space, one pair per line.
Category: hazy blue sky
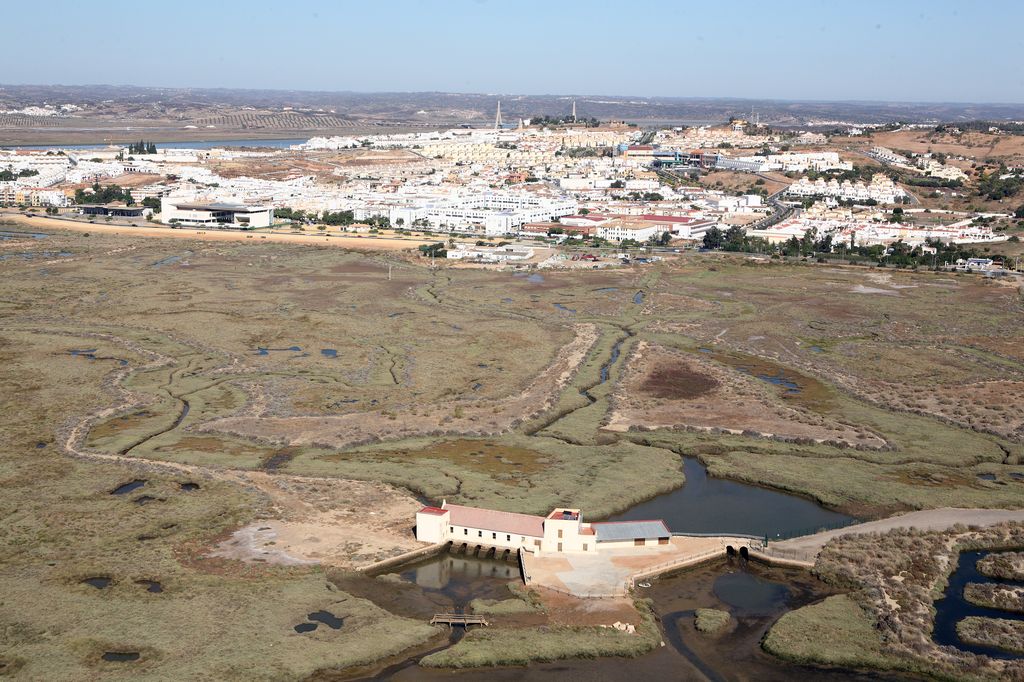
938,50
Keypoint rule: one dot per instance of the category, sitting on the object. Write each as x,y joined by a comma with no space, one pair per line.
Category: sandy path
365,243
929,519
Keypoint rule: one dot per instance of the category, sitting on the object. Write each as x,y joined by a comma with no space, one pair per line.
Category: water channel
754,594
952,607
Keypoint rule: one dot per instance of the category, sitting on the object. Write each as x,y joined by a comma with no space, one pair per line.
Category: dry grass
711,621
1004,565
836,631
896,577
995,632
487,647
1003,597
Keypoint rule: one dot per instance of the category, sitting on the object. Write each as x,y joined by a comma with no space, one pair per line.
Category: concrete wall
479,536
624,544
432,527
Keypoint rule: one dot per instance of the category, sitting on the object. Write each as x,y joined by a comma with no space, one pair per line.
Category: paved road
931,519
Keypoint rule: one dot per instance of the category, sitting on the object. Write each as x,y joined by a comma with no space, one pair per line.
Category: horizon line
515,94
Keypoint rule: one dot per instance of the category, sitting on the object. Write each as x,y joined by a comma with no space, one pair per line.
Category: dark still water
952,607
463,578
755,595
715,505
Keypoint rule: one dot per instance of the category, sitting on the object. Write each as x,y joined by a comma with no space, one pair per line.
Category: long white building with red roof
561,531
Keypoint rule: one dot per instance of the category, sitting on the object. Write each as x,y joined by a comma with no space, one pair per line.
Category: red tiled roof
502,522
432,510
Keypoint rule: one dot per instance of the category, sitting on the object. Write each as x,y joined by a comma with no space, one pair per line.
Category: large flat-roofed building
117,210
214,214
561,531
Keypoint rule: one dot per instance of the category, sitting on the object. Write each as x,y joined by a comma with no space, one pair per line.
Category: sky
894,50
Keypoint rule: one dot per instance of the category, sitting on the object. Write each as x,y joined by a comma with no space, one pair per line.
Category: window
479,533
584,547
559,546
494,536
465,531
662,541
559,532
536,543
638,542
508,538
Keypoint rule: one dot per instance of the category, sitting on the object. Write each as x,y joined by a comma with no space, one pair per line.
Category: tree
713,238
665,238
807,243
1019,213
104,195
735,238
436,250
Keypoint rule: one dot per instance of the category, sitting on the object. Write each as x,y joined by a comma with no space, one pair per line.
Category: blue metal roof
630,530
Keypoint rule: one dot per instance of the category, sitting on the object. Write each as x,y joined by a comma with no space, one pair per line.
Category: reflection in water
715,505
463,578
688,655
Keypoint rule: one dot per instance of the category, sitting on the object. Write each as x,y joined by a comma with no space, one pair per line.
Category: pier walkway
453,619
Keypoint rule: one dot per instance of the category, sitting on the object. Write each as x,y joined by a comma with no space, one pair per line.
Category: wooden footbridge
453,619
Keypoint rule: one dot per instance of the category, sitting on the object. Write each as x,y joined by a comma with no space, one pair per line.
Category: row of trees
7,175
736,239
335,218
141,147
564,120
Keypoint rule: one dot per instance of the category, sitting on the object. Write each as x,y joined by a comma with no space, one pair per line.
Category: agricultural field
240,423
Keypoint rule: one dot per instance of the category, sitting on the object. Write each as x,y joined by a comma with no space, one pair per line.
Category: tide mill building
561,531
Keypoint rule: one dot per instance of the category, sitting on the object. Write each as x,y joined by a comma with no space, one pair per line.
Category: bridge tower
497,117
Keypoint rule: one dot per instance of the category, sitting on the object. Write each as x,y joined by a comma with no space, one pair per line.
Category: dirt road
929,519
364,243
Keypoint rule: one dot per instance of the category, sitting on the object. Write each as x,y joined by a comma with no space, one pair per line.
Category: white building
214,214
886,155
880,189
493,213
490,254
561,531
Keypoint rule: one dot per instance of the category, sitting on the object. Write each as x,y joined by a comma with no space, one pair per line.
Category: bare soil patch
675,382
337,522
700,393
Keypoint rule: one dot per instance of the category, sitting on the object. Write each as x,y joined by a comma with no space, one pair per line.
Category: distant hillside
435,107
